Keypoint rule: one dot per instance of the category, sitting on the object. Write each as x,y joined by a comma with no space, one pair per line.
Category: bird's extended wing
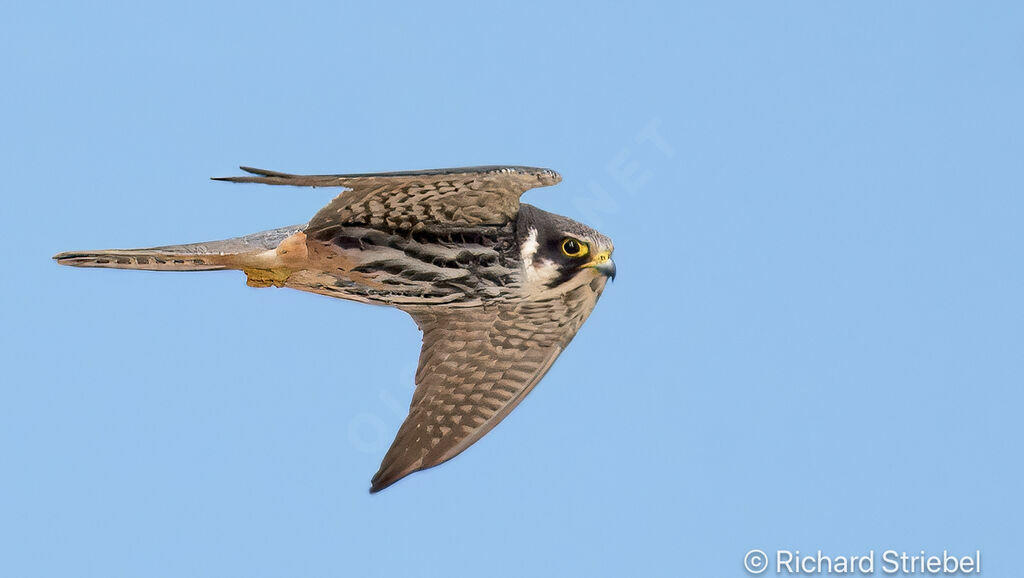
454,197
475,367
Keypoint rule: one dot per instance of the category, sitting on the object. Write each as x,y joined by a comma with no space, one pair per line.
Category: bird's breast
452,266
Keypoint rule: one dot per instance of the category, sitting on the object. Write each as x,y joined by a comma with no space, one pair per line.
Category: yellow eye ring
573,248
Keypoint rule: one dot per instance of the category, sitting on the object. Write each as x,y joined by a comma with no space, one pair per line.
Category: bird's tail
213,255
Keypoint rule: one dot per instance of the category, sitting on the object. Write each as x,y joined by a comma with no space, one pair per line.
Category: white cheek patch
529,248
540,272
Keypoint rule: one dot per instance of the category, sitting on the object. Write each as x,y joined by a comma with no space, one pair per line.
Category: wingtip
265,172
260,174
385,478
377,484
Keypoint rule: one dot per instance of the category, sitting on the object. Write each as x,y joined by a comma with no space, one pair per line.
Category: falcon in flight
498,287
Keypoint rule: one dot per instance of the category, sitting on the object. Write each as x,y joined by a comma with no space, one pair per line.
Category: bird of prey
498,287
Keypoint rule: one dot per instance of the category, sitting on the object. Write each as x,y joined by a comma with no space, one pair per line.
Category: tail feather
153,259
208,256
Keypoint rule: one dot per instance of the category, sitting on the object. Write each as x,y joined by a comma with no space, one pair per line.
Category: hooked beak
604,264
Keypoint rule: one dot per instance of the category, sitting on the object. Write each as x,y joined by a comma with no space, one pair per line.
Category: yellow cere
600,258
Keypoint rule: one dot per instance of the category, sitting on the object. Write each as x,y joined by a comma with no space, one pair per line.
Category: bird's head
559,252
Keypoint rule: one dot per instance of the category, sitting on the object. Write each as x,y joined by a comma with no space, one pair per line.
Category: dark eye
573,248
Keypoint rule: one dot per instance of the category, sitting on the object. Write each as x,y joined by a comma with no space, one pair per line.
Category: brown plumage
498,288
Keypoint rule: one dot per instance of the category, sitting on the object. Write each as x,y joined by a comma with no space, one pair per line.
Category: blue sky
815,341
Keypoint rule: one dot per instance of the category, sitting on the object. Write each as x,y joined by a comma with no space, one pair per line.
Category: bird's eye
573,248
